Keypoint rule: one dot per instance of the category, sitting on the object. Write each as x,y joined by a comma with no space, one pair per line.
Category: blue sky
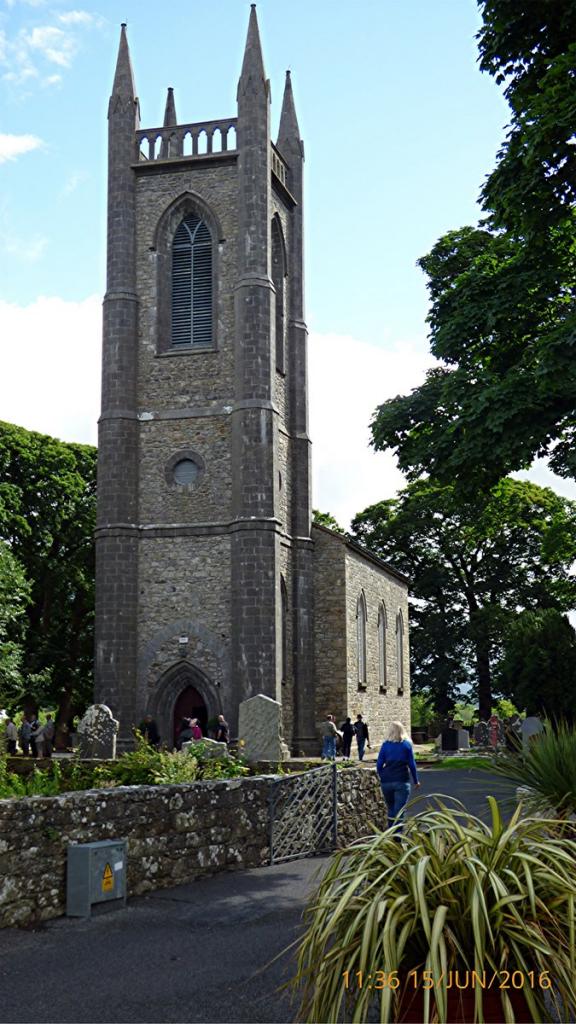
399,128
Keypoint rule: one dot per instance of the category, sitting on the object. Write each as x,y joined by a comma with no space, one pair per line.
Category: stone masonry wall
184,583
378,709
330,626
341,574
175,834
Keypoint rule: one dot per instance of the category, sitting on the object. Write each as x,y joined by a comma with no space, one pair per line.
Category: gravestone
449,739
481,734
97,733
211,748
531,727
463,739
260,730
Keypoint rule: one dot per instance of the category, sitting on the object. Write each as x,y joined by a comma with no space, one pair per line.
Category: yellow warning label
107,879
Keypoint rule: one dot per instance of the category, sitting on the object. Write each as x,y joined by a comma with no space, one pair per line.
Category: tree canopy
538,669
503,314
326,519
473,565
47,518
14,596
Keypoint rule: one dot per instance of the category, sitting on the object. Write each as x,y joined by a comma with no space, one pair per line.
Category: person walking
362,736
34,730
25,734
395,765
222,730
11,737
37,739
48,735
329,734
347,730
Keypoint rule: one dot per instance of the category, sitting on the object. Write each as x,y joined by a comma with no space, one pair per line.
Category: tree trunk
481,642
484,679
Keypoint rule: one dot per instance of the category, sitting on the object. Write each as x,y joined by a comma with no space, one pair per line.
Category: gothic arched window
284,637
192,283
400,650
278,280
361,617
382,670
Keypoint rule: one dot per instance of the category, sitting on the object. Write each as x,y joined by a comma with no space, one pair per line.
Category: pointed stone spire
289,132
170,112
124,77
253,76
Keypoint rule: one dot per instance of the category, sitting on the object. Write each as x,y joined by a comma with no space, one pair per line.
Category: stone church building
212,583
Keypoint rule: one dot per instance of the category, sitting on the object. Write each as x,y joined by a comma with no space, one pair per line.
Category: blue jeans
361,747
329,747
396,795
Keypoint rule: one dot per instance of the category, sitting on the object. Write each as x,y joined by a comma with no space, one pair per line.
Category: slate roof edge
364,553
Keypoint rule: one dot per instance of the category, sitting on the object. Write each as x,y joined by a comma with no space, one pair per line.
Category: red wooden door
189,705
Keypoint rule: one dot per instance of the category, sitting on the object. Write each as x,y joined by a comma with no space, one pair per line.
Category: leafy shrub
457,894
38,783
422,710
144,766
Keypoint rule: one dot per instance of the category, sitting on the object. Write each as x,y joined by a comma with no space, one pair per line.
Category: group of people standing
331,736
395,764
34,737
190,729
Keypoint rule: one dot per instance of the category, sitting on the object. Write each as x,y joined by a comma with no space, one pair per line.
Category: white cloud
13,146
50,353
348,380
77,18
26,250
540,474
54,44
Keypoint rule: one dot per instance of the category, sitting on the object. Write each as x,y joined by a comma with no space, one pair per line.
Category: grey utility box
96,874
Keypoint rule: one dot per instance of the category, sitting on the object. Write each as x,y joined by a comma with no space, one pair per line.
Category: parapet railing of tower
204,138
182,140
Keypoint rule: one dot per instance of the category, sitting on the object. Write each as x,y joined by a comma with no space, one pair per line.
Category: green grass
462,763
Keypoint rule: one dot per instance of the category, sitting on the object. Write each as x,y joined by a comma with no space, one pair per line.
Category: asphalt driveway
201,952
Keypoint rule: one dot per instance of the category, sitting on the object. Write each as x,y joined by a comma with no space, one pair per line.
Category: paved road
197,953
470,786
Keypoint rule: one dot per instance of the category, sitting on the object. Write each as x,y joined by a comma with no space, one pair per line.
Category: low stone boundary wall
174,834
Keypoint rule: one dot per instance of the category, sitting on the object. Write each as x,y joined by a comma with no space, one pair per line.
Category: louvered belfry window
192,283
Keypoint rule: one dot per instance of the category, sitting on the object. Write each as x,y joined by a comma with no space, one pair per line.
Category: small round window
186,472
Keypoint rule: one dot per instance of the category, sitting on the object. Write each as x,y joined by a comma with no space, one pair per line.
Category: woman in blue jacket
395,764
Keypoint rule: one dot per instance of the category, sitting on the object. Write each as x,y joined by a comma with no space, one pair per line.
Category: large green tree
473,565
538,669
14,596
47,518
503,313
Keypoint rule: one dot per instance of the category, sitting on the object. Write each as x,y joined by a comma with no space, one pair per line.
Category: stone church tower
207,570
204,556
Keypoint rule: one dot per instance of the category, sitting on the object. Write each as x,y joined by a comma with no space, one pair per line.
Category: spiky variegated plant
456,894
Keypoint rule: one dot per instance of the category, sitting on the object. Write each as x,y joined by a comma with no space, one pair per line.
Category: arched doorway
190,704
183,692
